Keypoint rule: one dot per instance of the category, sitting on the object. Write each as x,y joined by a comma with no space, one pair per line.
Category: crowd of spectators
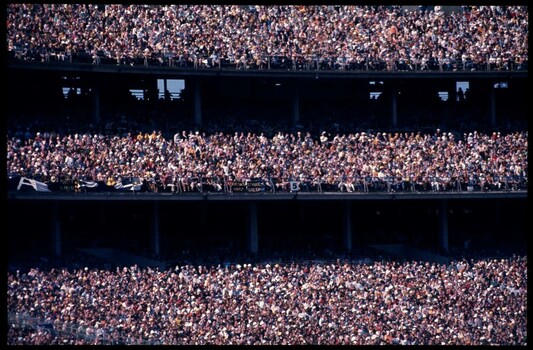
200,161
466,302
262,37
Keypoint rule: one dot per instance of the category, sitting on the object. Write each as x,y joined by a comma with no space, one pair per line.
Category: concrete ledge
123,258
411,253
303,196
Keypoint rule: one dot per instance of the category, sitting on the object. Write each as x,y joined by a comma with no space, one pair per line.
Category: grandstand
315,156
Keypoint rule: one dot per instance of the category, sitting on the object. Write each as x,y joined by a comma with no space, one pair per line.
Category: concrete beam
443,226
253,238
155,228
492,101
197,102
57,229
347,236
295,105
394,108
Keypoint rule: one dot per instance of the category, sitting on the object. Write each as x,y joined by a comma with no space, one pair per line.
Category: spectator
394,162
291,37
468,302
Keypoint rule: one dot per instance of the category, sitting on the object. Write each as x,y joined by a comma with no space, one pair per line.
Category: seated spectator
279,37
374,161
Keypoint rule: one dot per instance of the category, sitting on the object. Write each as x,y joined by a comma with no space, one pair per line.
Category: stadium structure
91,93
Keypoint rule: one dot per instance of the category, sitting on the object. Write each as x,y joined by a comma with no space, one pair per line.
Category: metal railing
226,185
317,62
73,332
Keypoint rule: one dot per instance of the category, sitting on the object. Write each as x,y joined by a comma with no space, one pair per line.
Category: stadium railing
322,62
205,184
71,331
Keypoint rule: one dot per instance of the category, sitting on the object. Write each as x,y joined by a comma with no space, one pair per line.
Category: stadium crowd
261,37
354,162
467,302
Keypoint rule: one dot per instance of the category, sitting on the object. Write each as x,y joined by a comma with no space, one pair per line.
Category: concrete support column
96,104
347,235
252,229
57,230
197,103
102,215
155,229
492,101
394,111
443,226
301,214
204,216
295,105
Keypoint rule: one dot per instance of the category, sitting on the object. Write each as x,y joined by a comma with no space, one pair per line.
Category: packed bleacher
279,295
193,161
272,37
466,302
225,162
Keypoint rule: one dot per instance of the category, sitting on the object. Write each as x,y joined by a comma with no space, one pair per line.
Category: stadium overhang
181,73
298,196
